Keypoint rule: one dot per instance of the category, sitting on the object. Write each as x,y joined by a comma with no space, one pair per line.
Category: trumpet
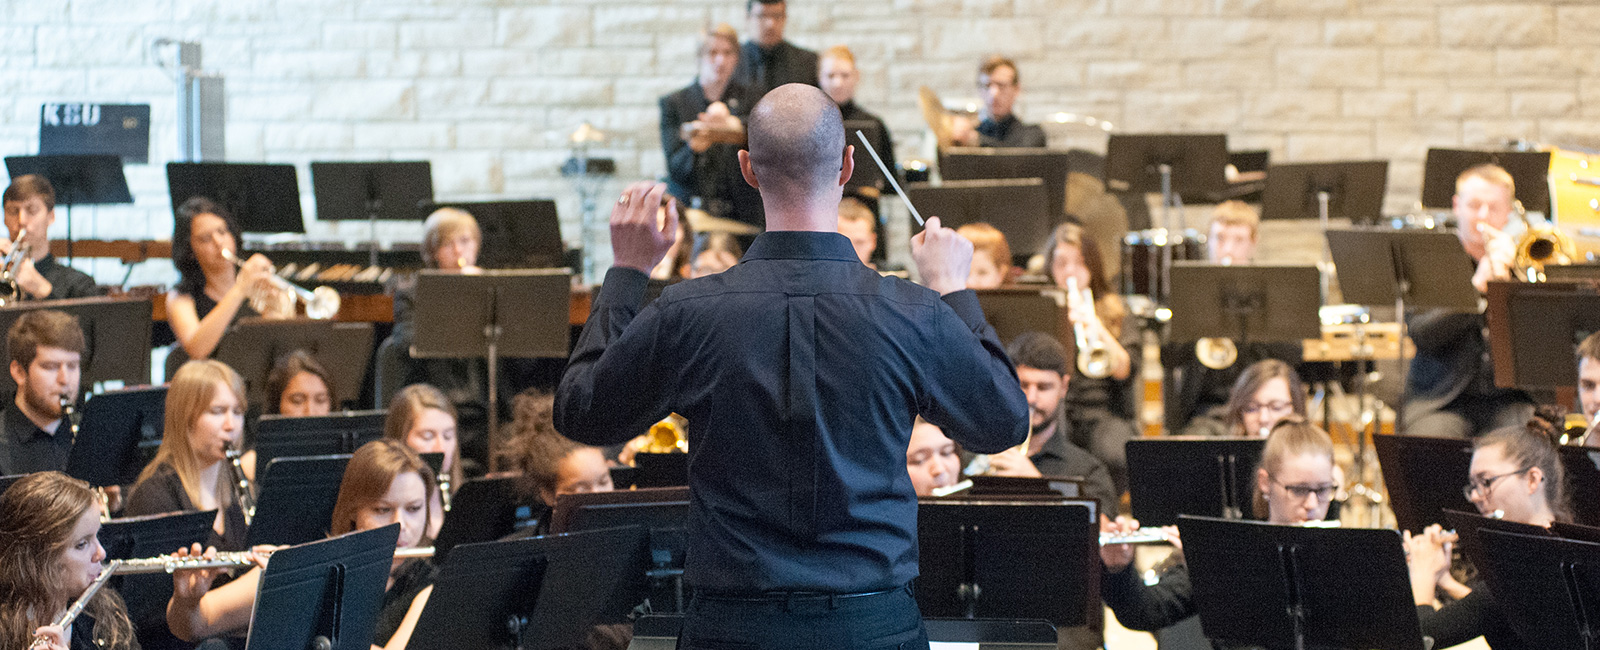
322,303
242,490
11,265
1094,356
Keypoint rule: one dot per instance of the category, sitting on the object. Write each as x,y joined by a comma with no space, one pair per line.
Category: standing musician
1000,84
385,483
212,290
45,348
50,551
1450,390
802,370
1589,385
421,418
767,60
30,205
702,128
838,77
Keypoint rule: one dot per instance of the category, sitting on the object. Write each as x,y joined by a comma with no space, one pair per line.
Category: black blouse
163,492
410,580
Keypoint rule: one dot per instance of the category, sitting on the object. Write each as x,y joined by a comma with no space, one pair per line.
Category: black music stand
867,173
253,346
1174,165
297,496
116,335
1469,528
538,593
1009,559
261,197
1248,303
341,432
483,510
78,179
662,511
1577,532
1179,475
6,481
1424,476
1034,309
325,594
1347,190
118,435
491,315
1534,331
1546,587
1055,487
390,190
1259,584
136,537
516,234
1581,466
661,470
1018,208
981,163
1529,169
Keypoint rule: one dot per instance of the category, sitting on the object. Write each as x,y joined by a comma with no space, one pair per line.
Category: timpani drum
1147,257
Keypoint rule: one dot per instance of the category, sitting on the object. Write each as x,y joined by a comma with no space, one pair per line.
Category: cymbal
702,221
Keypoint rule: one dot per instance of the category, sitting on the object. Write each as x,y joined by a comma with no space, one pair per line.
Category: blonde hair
442,226
189,395
372,470
1290,437
988,239
1489,172
840,52
407,405
853,210
1237,213
723,31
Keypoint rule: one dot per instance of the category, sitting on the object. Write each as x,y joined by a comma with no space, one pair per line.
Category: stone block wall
488,89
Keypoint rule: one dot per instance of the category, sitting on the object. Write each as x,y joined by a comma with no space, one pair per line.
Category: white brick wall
487,89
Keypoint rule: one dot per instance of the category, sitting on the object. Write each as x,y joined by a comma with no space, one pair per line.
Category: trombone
322,303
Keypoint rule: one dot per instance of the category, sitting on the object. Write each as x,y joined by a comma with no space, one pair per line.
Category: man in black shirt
1000,85
702,128
45,348
30,204
767,61
838,75
800,371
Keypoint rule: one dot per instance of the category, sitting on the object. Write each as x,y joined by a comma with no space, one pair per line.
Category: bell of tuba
1216,353
1542,245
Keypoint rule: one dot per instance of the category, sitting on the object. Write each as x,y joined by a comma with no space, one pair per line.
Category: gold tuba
1216,353
668,436
1543,244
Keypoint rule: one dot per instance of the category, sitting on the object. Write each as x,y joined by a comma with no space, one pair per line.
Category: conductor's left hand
640,237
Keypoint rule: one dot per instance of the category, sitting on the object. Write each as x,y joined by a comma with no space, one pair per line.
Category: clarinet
69,412
241,487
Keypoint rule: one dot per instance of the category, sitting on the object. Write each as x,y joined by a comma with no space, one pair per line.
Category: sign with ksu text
116,129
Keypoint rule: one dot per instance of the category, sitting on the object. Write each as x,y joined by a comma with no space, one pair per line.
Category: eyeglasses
1482,486
1323,492
997,85
1256,407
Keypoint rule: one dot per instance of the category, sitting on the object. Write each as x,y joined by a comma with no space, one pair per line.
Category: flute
228,560
78,605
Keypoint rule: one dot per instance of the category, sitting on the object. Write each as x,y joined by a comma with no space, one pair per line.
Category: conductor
800,372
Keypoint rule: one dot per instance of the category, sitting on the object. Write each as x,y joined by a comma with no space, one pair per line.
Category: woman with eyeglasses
1294,485
1516,475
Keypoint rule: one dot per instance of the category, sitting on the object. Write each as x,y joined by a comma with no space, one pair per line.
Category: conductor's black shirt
800,371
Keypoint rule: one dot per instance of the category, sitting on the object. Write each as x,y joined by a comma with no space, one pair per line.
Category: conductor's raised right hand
640,237
943,257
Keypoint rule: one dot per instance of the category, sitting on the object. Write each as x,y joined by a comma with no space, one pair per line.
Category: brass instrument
242,490
1543,244
321,303
10,266
668,436
1216,353
1094,356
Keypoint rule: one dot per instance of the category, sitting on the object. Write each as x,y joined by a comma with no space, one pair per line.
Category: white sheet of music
949,645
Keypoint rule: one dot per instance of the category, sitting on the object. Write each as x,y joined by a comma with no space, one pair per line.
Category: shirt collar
797,245
18,425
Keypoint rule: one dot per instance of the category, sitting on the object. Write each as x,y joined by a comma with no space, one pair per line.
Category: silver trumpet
242,490
1094,356
321,303
10,266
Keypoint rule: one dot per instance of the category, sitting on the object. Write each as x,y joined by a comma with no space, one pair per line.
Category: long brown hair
188,397
367,478
407,405
37,516
1251,380
1107,304
1290,437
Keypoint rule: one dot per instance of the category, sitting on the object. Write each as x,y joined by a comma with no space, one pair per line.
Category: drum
1147,257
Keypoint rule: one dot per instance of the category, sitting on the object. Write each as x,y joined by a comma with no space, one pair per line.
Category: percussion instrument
1147,257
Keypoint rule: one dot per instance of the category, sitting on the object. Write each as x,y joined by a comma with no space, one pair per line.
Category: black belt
789,596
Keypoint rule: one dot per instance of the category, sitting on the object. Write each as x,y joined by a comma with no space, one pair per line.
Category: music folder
1010,559
325,594
296,499
1181,475
1545,587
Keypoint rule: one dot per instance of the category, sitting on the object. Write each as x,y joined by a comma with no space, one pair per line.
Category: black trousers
881,621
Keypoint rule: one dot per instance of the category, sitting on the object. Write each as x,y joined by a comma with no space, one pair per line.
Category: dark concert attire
1009,132
25,448
410,580
65,281
883,144
800,371
762,69
203,304
713,175
163,492
1059,457
1467,619
83,635
1450,391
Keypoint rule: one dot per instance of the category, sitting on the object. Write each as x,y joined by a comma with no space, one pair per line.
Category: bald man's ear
848,167
745,170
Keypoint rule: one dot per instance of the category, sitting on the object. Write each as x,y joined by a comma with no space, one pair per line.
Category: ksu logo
74,115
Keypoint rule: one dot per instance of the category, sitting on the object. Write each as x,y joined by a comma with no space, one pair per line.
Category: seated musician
550,463
1515,471
30,205
191,472
45,347
1589,386
1233,234
1294,484
1450,390
931,459
1102,409
720,253
212,290
298,386
50,551
421,418
838,76
385,483
857,222
991,256
1266,392
999,84
702,129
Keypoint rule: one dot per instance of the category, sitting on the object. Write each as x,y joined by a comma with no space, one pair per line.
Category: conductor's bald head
796,149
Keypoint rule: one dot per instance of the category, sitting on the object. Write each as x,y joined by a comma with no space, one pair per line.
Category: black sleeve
610,392
1148,607
155,495
981,410
680,158
1458,622
1437,330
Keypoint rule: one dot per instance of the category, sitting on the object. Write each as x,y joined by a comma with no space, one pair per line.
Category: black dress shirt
25,448
65,281
762,69
1009,132
711,175
800,371
1059,457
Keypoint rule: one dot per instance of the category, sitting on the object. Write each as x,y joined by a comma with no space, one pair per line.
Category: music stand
867,173
1578,532
981,163
341,432
1019,208
1545,587
1424,476
325,594
1469,527
1179,475
116,336
1249,303
482,510
662,511
297,496
661,631
253,346
517,234
1260,584
78,179
6,481
1581,466
1013,311
148,536
1347,190
1530,170
390,190
1009,559
1534,331
261,197
524,313
661,470
118,435
1172,164
1054,487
